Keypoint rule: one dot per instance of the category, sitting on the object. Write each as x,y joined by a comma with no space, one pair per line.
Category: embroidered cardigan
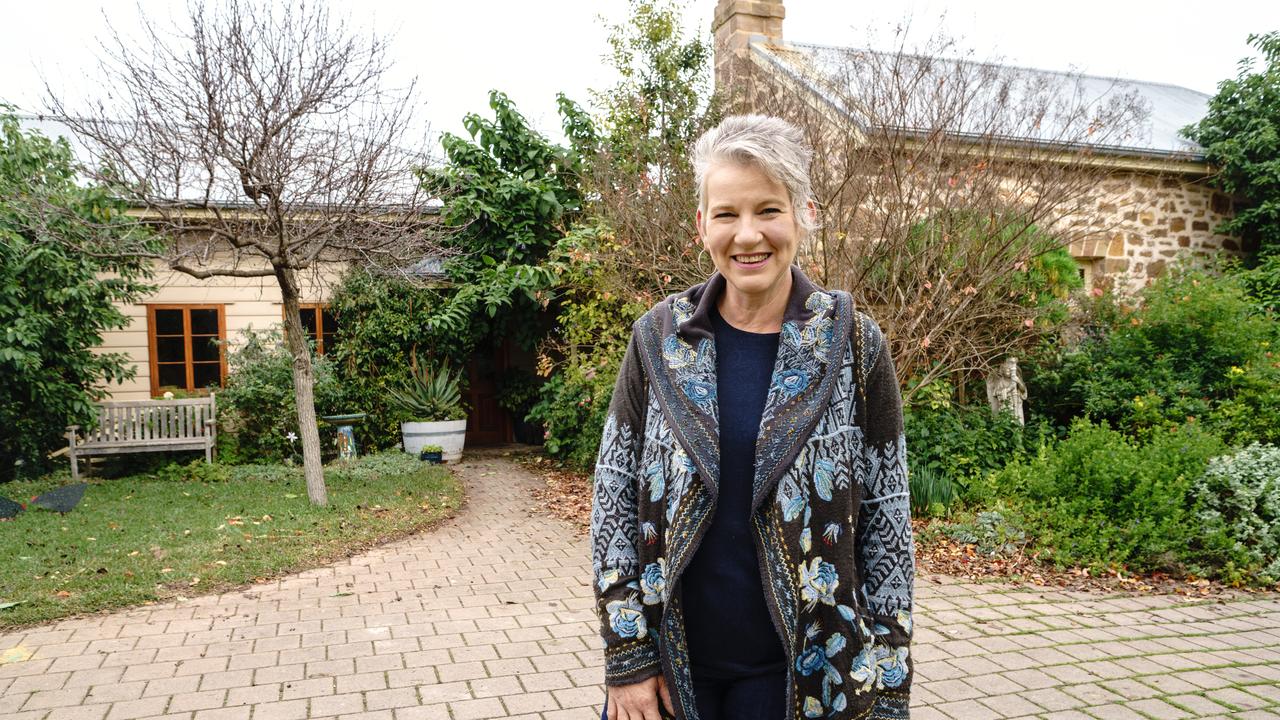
831,520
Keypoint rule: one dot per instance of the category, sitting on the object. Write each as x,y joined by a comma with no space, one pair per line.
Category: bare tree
941,182
260,141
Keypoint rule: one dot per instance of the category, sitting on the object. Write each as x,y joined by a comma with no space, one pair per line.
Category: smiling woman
750,523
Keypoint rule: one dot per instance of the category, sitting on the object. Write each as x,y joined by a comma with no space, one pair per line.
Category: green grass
196,529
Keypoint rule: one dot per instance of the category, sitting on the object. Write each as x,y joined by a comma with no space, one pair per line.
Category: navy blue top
730,633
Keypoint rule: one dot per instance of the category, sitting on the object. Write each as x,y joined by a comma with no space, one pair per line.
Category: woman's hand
639,701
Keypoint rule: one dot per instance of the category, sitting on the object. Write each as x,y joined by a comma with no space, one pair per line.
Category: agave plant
431,396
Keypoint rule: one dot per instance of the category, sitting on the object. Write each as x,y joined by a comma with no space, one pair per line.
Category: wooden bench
133,426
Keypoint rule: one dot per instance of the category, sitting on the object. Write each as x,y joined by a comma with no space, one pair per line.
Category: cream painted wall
248,303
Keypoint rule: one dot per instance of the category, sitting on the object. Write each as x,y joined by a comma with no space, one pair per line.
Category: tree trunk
303,382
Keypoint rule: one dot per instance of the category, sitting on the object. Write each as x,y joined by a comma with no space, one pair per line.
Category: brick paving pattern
490,616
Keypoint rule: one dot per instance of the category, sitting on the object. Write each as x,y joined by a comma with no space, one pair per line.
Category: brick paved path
490,616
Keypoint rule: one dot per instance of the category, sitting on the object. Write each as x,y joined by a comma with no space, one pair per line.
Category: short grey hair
774,145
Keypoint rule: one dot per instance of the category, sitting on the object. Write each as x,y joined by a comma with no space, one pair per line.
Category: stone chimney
737,23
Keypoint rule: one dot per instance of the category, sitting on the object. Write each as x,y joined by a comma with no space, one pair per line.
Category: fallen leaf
6,605
63,594
15,654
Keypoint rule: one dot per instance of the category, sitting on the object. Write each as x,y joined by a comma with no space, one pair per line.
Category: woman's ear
697,222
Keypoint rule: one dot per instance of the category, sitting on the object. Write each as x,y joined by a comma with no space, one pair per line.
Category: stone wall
1146,221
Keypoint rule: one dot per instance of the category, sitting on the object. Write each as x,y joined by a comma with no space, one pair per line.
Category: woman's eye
768,211
723,215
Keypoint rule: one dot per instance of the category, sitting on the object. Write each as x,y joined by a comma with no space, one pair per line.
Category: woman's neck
759,313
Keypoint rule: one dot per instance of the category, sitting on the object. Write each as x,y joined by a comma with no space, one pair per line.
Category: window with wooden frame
185,346
320,324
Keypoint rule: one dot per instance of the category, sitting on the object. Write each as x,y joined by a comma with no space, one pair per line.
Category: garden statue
1006,390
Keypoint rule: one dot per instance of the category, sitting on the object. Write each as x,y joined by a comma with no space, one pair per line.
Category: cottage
1154,205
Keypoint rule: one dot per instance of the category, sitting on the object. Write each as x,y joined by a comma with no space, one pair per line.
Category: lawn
198,529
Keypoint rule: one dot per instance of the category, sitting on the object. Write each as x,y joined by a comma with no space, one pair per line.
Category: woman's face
748,227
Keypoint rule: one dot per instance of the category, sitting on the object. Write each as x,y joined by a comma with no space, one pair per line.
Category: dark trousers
760,697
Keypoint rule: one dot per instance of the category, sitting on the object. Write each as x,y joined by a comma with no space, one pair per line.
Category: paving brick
284,710
337,704
79,712
477,709
45,699
393,698
1154,707
133,709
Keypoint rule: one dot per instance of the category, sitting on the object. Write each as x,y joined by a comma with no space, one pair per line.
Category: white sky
532,49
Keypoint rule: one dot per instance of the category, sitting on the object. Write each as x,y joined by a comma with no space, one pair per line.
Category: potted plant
433,403
433,454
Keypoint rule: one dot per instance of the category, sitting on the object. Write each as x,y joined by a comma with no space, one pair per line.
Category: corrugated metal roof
835,73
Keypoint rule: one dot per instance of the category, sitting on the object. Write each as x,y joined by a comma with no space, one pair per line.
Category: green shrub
1102,498
574,404
1238,505
1197,348
257,413
993,532
386,325
56,299
957,441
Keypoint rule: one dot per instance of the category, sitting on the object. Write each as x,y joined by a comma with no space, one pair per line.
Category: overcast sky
532,49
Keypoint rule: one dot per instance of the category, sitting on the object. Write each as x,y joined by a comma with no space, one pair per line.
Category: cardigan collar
681,360
704,296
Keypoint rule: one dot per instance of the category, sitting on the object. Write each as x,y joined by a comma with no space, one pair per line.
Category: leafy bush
260,412
1197,348
386,325
1100,497
1238,505
957,441
58,295
575,402
993,532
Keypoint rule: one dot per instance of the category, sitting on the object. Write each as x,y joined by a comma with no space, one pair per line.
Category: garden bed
200,529
567,495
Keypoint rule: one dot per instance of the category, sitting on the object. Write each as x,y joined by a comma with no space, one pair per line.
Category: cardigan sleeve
630,646
886,554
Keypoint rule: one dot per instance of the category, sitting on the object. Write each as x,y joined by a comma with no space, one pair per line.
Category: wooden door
487,423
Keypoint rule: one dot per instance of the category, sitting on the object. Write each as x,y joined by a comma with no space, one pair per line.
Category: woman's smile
751,262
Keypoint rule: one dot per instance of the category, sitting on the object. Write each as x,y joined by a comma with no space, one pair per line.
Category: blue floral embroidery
812,660
698,391
892,665
863,673
653,582
818,583
791,382
678,353
695,370
650,533
817,658
819,302
824,472
831,533
607,578
904,619
626,617
657,481
681,310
